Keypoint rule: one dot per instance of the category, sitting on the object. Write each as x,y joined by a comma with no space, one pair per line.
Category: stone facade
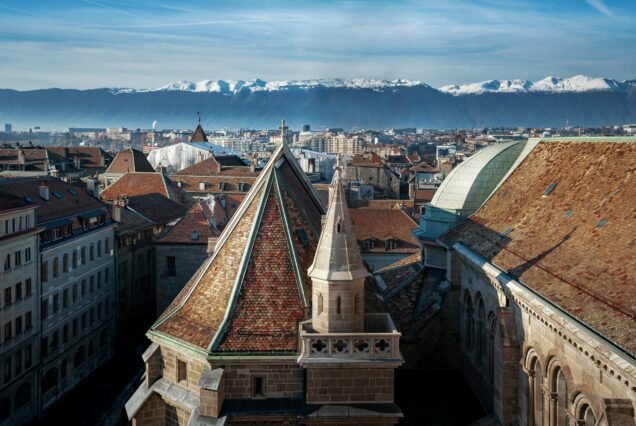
187,259
335,385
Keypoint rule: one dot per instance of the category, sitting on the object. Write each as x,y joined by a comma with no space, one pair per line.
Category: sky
150,43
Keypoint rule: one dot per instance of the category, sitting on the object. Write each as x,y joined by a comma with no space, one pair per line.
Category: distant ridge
347,103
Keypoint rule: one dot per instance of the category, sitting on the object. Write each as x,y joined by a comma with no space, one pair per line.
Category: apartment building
18,309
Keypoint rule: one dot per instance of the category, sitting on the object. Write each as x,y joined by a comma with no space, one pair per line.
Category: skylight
568,213
549,189
57,195
506,232
194,236
72,191
601,223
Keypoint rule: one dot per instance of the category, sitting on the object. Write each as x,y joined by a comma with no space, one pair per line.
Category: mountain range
361,103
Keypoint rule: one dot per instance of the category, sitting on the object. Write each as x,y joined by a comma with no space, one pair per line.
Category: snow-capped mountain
230,87
577,83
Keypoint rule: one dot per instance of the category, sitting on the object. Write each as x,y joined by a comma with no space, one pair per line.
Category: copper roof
134,184
564,225
129,160
251,293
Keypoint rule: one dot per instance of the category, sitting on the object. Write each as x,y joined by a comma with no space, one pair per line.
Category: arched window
492,326
80,356
481,332
586,416
5,408
49,381
469,322
536,409
22,396
560,388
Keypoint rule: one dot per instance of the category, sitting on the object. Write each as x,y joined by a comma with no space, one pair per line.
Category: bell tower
338,272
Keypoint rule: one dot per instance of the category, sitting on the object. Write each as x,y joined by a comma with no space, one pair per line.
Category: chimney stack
118,205
43,190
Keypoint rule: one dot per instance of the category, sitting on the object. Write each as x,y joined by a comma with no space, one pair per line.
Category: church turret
338,272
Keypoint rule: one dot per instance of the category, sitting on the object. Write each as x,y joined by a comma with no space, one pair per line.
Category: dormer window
390,244
368,244
243,187
222,186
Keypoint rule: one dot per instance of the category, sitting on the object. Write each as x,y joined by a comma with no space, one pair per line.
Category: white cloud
601,7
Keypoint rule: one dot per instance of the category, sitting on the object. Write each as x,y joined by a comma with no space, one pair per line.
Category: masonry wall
349,384
281,380
152,413
188,258
194,367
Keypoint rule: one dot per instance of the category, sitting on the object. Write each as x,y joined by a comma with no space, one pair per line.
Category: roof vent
506,232
567,213
549,189
601,223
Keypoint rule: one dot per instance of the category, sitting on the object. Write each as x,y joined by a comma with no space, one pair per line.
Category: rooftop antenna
199,117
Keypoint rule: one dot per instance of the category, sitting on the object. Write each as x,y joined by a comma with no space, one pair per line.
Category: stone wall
344,384
152,413
281,380
188,258
194,366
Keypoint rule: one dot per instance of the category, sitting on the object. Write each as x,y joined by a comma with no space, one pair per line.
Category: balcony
379,343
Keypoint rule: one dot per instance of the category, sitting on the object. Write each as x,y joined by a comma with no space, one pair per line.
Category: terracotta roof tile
193,223
129,161
383,225
134,184
557,244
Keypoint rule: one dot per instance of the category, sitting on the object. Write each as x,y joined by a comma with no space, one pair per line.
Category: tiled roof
129,160
198,135
574,245
134,184
90,156
72,199
213,183
34,154
385,224
156,207
251,293
424,167
229,165
11,202
192,228
9,156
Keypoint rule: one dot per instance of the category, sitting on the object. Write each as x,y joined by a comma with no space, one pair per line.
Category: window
65,263
391,244
368,245
7,369
99,311
27,255
91,253
45,272
49,381
320,303
7,296
18,362
64,369
18,325
7,262
55,267
182,371
83,255
107,246
28,320
74,293
99,249
107,275
83,287
18,258
28,287
83,321
18,291
92,283
469,322
258,387
65,334
171,267
222,186
92,315
338,305
27,356
140,262
65,298
74,327
74,259
99,279
7,331
54,341
45,308
56,303
23,395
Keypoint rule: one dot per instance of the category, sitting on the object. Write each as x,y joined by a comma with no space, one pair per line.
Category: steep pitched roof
193,228
214,166
129,161
385,222
135,184
563,224
156,207
338,256
198,135
251,293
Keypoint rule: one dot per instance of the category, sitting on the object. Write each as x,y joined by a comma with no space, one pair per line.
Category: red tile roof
192,228
133,184
72,199
129,160
90,156
577,245
251,294
383,224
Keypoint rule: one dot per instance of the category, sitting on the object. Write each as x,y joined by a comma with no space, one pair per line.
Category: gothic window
481,332
535,394
492,325
586,416
469,322
560,388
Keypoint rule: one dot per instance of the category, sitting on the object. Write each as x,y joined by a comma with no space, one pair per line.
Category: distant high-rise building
306,127
8,128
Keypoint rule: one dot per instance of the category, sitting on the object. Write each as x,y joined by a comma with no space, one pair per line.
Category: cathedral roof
338,256
563,225
253,290
198,135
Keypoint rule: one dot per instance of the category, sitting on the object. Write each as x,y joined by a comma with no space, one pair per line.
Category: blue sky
149,43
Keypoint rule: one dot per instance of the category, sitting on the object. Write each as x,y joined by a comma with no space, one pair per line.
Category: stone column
554,399
531,398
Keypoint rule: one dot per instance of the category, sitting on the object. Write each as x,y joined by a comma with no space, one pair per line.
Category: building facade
19,307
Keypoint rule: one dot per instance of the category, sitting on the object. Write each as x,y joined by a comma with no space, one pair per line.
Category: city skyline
146,44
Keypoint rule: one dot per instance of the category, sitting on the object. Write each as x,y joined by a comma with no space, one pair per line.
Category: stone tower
338,272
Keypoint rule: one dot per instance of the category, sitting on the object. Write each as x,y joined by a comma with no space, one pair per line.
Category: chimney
211,245
43,190
118,205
